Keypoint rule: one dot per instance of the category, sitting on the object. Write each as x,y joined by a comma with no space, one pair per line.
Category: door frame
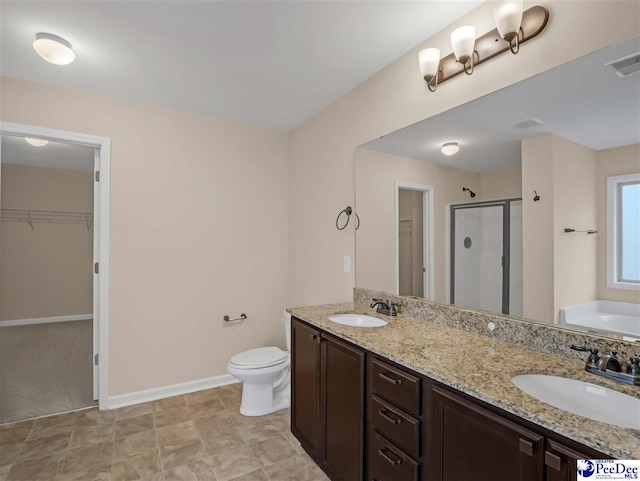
428,255
101,233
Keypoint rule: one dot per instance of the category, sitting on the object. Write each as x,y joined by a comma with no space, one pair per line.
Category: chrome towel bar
242,317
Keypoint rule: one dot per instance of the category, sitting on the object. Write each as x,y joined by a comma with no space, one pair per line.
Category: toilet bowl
265,375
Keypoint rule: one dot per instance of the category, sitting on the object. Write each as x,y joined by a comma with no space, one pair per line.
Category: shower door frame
101,225
506,245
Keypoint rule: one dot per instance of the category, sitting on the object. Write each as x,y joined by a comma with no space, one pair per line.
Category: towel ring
347,210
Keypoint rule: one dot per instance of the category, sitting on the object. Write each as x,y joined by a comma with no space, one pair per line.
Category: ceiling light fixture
53,49
450,148
514,27
36,142
508,17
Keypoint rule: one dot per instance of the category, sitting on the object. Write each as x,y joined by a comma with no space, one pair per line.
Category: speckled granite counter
482,367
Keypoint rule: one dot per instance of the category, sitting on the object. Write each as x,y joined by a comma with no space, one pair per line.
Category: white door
96,256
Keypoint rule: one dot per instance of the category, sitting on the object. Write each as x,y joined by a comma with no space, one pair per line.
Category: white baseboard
155,393
45,320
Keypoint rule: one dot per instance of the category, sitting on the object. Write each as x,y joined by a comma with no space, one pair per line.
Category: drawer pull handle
383,453
388,378
553,461
391,419
526,447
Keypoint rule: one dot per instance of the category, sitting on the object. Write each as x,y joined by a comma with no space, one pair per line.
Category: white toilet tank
286,318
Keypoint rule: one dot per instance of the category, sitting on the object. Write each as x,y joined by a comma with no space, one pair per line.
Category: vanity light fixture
450,148
53,49
429,59
463,41
508,17
514,27
36,142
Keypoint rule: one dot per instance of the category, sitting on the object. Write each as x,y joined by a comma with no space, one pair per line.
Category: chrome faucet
610,362
610,367
385,307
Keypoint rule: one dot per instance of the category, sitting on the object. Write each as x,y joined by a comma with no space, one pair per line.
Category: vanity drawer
397,386
401,429
388,463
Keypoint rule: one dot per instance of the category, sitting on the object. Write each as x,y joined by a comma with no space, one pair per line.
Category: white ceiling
54,155
583,101
266,63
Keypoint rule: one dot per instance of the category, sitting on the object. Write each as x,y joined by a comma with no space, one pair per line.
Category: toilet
265,375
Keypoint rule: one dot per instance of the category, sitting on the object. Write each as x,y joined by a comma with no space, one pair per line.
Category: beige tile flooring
196,437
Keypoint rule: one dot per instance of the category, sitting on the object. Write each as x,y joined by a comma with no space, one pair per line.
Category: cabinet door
342,409
305,386
561,462
471,443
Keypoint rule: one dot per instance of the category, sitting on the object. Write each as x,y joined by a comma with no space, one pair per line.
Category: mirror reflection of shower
486,255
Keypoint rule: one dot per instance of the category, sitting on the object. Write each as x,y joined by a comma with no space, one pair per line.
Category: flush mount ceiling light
53,49
450,148
514,27
36,142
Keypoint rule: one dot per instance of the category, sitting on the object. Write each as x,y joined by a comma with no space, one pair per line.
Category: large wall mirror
538,213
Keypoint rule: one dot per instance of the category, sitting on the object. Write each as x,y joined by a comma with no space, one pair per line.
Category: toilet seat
259,358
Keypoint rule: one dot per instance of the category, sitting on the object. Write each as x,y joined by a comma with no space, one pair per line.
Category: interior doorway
414,240
54,270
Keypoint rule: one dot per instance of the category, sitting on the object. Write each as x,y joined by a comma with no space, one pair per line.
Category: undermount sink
357,320
581,398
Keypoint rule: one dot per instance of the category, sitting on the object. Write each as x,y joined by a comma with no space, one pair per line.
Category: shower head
471,193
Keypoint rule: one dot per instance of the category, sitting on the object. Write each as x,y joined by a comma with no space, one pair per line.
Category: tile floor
196,437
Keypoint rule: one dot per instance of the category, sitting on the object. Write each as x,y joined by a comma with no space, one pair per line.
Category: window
623,231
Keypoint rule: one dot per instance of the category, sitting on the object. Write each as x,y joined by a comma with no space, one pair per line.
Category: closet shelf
31,217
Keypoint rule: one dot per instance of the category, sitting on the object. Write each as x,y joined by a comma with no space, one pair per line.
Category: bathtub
619,317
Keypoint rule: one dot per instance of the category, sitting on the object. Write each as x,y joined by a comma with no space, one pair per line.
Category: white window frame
613,229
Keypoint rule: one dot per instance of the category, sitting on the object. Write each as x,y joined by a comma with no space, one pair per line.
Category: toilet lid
260,357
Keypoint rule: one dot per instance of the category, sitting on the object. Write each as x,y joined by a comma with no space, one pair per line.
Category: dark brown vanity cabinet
416,429
474,443
327,414
395,422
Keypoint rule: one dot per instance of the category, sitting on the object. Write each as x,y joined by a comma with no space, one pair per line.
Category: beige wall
322,149
46,271
376,174
575,207
620,161
501,184
198,230
559,269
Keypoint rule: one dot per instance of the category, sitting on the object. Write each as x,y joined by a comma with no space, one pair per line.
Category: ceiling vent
627,65
527,123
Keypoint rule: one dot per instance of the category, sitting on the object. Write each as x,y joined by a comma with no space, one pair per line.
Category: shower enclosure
486,255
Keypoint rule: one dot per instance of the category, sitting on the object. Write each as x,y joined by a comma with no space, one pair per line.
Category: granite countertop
482,367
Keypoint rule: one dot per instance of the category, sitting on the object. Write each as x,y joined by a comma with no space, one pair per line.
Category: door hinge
97,176
95,359
96,268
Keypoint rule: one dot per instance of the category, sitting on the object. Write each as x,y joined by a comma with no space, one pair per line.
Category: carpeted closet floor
45,369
